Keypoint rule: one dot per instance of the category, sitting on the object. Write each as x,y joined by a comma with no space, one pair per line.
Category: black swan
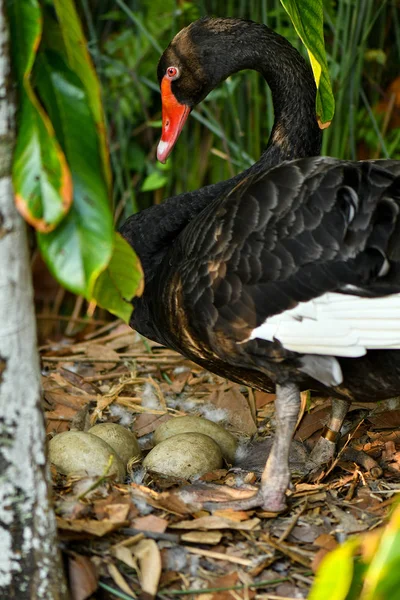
285,277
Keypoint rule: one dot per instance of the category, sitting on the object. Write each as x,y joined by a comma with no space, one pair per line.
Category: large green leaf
334,577
41,178
307,18
81,247
120,281
382,578
80,62
84,253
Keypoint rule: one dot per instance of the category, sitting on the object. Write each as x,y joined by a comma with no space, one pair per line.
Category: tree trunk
30,564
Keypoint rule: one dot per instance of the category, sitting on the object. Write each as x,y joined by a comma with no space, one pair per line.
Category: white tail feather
336,325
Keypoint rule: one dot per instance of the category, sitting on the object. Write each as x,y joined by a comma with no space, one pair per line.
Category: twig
105,377
107,327
246,562
120,358
88,321
100,480
293,522
75,314
353,485
294,555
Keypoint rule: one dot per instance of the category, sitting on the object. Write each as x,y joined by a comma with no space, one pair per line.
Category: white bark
30,565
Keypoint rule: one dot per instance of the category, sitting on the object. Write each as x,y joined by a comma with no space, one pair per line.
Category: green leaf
382,578
81,247
307,18
41,178
84,253
334,576
80,62
154,181
120,281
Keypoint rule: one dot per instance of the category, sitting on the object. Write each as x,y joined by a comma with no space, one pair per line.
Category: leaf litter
149,536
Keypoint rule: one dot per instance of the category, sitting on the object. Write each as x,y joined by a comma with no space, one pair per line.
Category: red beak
174,115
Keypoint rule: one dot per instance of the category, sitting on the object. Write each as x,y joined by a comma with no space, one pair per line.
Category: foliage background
230,129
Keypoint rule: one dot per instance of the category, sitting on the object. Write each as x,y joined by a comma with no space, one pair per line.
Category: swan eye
172,73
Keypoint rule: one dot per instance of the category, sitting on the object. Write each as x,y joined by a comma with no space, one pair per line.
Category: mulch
149,537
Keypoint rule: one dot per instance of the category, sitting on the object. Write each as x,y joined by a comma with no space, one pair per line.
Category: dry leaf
200,493
89,526
213,522
312,422
60,397
149,559
216,475
237,407
179,382
169,501
305,533
381,436
385,420
119,580
227,581
64,408
115,498
117,512
347,523
103,352
59,419
325,540
78,381
146,423
150,523
318,558
82,577
124,554
263,398
123,341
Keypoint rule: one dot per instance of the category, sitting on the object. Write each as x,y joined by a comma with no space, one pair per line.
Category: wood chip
213,522
202,537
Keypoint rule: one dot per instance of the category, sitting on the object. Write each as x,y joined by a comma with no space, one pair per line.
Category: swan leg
324,449
276,475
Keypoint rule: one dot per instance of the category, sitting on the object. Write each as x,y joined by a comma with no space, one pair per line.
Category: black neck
248,45
295,133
